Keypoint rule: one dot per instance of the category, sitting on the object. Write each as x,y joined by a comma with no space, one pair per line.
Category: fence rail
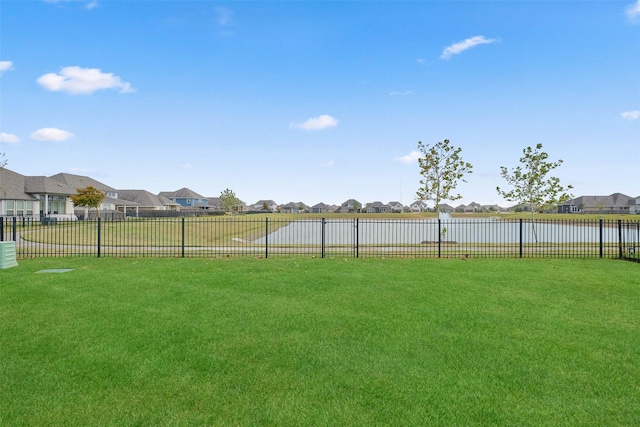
321,237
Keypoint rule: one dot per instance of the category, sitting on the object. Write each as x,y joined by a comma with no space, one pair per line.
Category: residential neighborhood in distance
42,196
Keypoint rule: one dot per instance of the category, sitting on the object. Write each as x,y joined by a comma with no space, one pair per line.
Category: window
11,208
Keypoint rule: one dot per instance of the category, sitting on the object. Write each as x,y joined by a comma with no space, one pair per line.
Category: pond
490,231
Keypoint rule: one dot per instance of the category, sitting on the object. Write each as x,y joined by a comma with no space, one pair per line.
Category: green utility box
8,255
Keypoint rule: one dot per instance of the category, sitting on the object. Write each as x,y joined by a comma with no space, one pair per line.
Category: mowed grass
289,342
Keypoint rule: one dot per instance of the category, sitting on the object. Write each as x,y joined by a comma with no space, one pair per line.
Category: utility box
8,255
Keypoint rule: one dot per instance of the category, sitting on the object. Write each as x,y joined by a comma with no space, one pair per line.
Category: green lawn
289,342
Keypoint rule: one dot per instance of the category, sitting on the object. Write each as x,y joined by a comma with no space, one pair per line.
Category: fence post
266,238
323,223
620,238
601,245
1,229
439,237
182,237
99,235
15,230
520,237
357,237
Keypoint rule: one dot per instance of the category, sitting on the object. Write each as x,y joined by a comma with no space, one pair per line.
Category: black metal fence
321,237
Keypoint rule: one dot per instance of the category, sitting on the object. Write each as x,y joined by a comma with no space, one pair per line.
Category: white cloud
51,134
5,66
8,138
185,166
224,16
317,123
631,115
633,10
91,3
79,80
328,164
409,158
402,93
460,47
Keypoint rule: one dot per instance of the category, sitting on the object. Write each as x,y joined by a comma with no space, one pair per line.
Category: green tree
229,200
531,185
441,168
88,197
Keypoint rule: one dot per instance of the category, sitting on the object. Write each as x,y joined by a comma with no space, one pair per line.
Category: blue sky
319,101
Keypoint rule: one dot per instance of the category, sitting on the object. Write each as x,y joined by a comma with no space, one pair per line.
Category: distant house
635,207
131,202
351,206
34,196
265,205
446,208
377,207
293,207
491,208
418,206
616,203
187,198
320,208
214,203
80,181
303,207
396,207
474,207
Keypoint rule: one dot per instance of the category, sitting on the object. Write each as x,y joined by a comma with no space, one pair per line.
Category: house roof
80,181
144,198
320,206
262,202
612,200
183,193
376,204
214,202
45,185
12,186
